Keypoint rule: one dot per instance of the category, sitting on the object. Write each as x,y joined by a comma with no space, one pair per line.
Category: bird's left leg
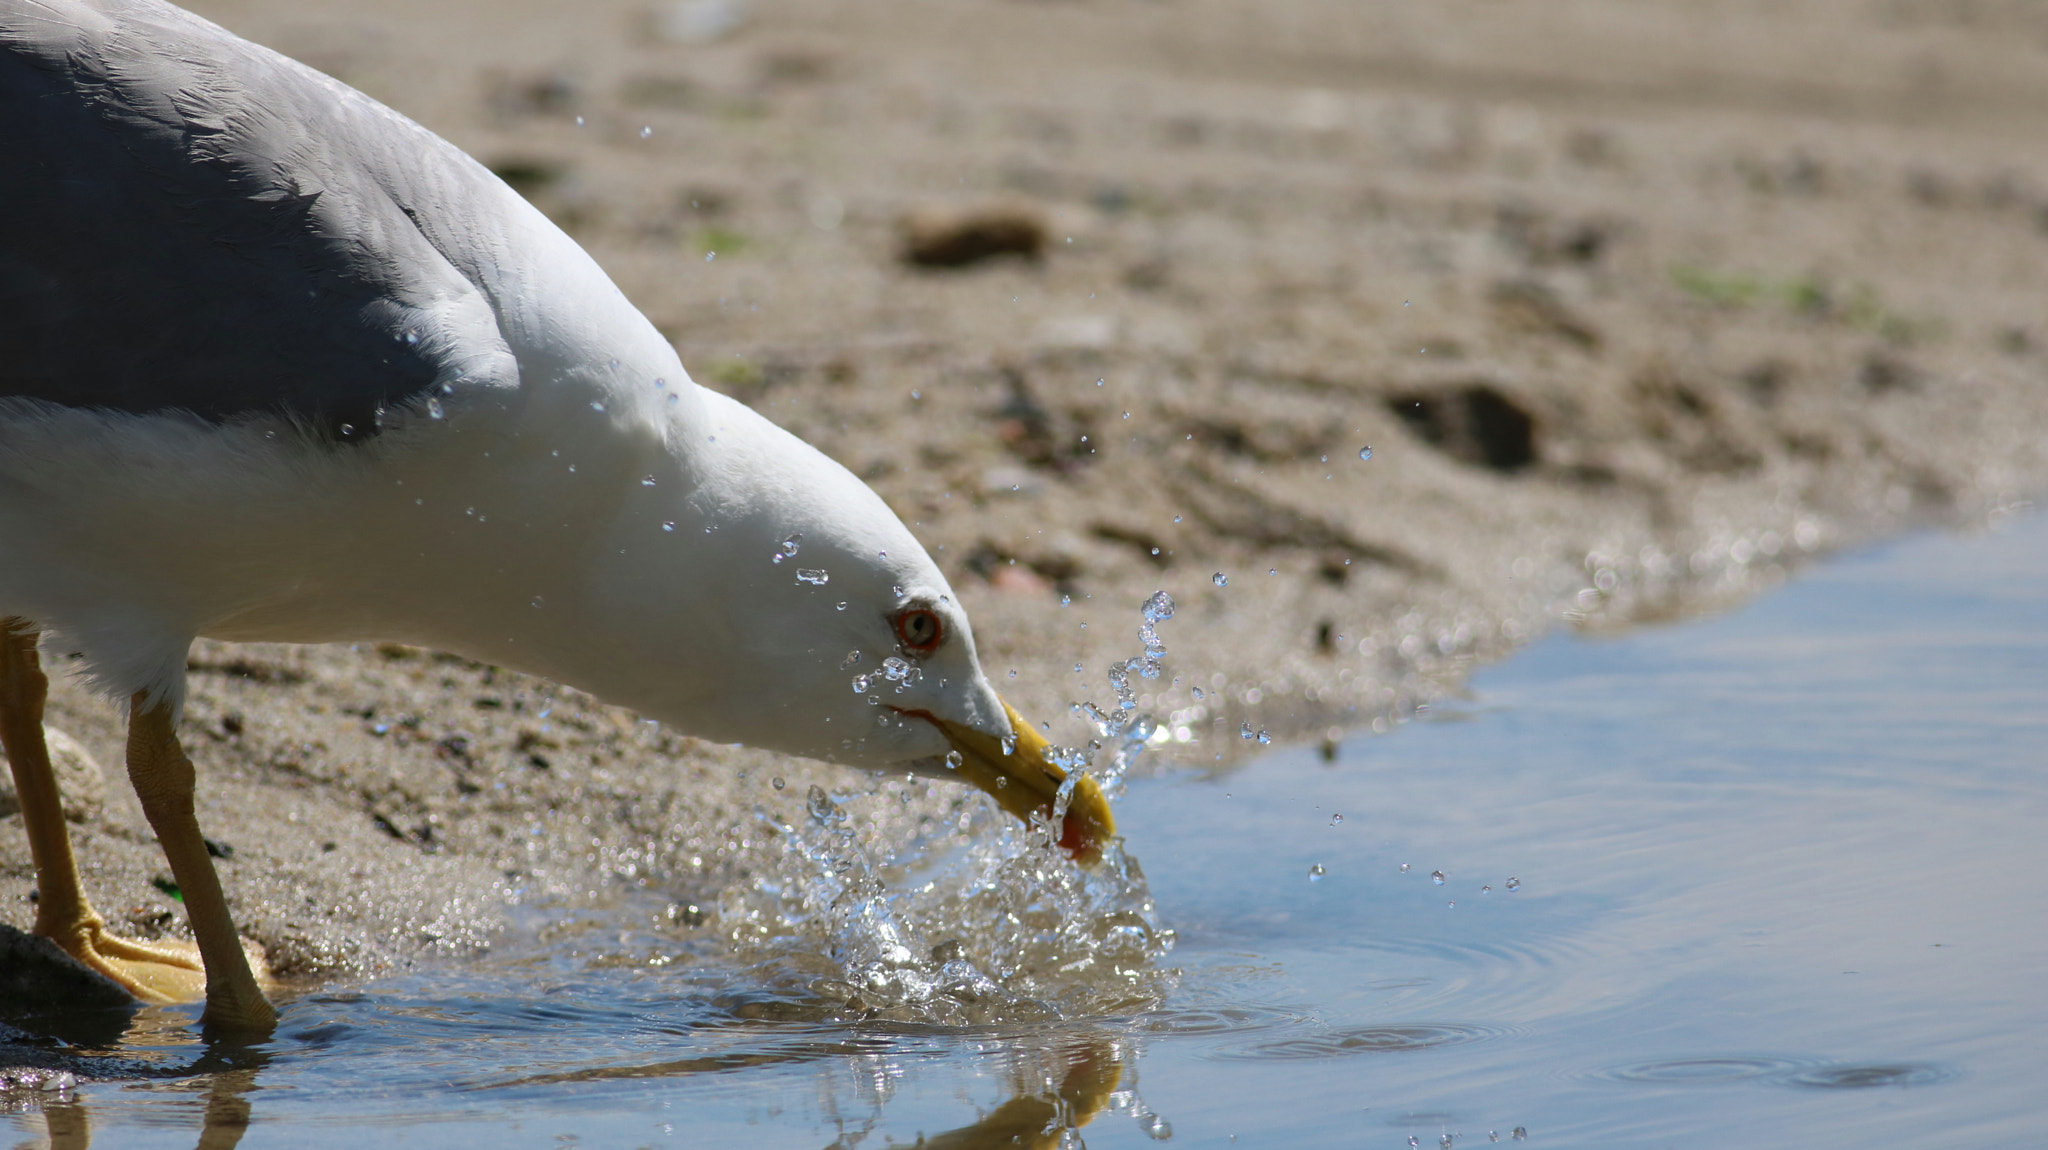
153,972
163,778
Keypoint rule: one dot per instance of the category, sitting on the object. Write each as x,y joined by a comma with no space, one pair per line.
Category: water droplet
1316,873
778,783
539,602
1453,904
820,805
1272,570
1445,1142
896,669
1159,606
579,121
1486,890
1219,579
1009,745
788,549
1264,737
1244,731
1066,600
852,657
1437,877
953,760
1404,868
709,256
1199,696
1336,819
434,408
647,481
1514,884
1156,1128
1127,415
1519,1134
1365,453
1077,668
1414,1141
646,131
668,525
842,605
1002,780
815,576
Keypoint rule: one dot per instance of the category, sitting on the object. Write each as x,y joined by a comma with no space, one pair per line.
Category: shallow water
1780,881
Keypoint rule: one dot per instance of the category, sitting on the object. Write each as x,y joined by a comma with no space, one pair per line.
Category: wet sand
1637,306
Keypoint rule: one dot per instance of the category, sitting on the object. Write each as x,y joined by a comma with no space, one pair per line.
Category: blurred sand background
1639,304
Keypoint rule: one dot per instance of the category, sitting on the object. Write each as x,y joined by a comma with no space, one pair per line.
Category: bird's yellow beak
1024,783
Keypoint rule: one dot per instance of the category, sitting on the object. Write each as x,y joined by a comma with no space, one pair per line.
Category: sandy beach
1636,308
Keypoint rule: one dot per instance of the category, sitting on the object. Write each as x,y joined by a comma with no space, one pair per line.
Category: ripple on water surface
1218,1020
1369,1040
1708,1071
1804,1073
1867,1075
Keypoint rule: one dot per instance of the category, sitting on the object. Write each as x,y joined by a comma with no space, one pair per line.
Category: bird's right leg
152,972
163,778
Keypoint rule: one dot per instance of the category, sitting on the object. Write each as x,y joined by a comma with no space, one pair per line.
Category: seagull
278,364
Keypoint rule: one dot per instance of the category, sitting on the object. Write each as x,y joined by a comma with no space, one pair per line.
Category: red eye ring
921,630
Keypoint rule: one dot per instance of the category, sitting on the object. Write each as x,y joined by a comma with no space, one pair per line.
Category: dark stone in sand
955,240
47,992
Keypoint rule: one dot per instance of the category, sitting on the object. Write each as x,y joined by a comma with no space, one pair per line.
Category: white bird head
749,589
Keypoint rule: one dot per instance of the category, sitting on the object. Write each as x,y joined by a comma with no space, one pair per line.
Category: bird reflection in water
1058,1087
1037,1120
224,1073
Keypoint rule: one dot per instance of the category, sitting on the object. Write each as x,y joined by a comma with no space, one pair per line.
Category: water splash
969,920
991,926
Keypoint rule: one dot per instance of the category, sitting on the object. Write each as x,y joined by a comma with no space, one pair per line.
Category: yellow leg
163,779
153,972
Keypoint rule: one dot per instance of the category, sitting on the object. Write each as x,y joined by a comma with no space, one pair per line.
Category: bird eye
920,629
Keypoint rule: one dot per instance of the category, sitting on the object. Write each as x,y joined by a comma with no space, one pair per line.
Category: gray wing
190,222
